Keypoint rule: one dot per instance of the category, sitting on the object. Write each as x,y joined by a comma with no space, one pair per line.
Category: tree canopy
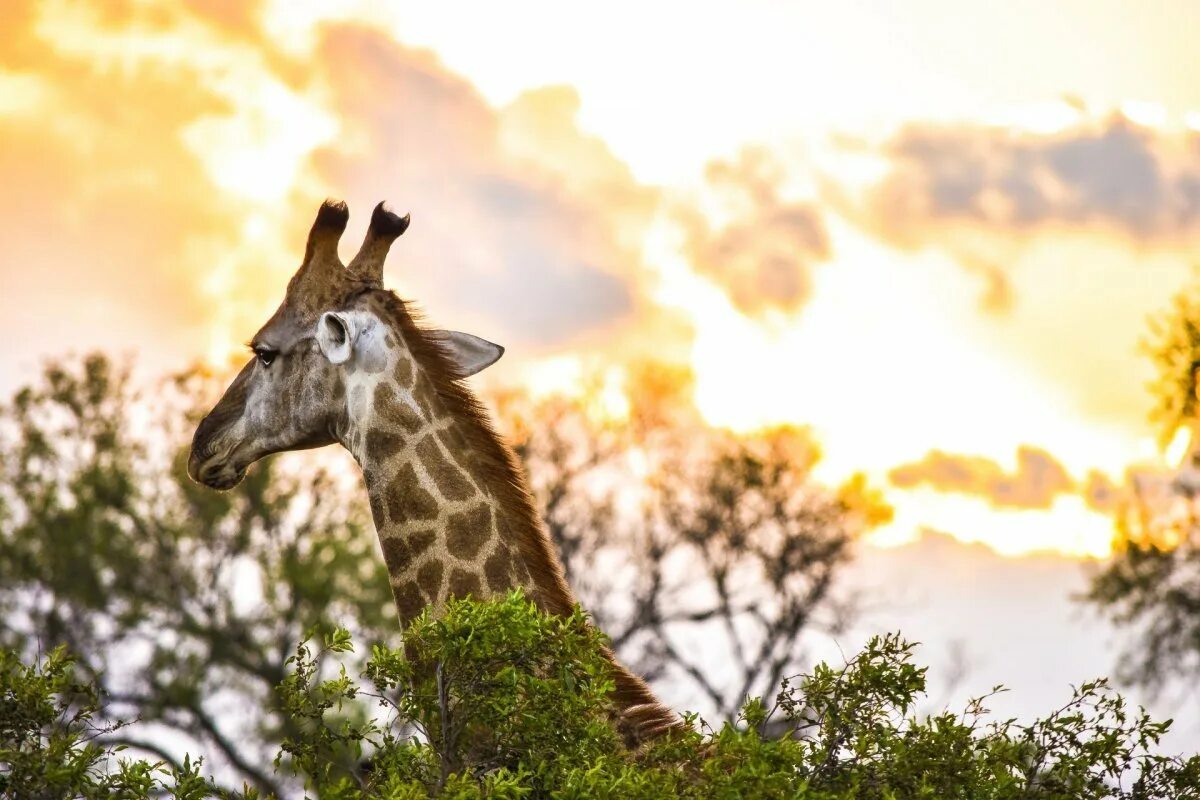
1151,585
499,700
181,605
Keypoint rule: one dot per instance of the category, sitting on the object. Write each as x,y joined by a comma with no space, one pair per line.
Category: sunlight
21,93
258,152
894,346
1179,447
1067,528
885,364
604,394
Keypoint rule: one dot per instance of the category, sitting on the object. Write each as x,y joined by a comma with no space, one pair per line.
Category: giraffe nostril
193,466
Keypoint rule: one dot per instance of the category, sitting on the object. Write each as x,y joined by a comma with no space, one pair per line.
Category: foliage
1151,585
719,536
108,548
48,745
182,604
512,703
1174,347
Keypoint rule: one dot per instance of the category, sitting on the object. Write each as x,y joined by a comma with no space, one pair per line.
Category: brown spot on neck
474,446
427,562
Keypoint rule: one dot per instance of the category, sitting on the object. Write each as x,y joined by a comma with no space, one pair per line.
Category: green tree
498,700
180,604
49,744
510,702
1151,585
672,532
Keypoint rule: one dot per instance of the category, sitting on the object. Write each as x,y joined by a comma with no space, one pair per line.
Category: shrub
47,747
509,702
497,700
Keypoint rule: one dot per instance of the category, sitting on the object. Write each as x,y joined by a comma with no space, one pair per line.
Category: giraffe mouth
215,472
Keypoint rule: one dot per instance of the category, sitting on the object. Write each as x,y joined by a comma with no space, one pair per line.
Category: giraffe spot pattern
396,553
404,372
382,445
429,577
408,500
390,407
376,507
409,417
498,569
468,531
409,600
463,583
440,551
453,441
520,572
448,478
419,541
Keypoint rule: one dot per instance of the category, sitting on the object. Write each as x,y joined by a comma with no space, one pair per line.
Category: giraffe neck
441,507
449,499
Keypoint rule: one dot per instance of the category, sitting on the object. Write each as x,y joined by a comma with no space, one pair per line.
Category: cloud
1111,174
513,243
997,295
1103,495
110,216
763,252
1035,483
1039,478
169,159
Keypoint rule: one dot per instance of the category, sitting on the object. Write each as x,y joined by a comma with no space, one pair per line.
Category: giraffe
344,360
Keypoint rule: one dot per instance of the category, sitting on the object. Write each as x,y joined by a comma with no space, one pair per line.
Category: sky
933,232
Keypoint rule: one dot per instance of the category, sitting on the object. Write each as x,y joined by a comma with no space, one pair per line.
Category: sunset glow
940,259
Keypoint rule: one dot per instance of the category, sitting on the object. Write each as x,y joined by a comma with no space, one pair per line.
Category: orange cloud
168,158
1037,480
1113,174
764,250
137,216
503,240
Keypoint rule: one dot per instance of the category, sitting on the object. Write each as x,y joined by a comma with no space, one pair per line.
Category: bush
498,700
47,747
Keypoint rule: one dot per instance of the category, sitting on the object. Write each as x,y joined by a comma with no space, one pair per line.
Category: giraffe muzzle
215,472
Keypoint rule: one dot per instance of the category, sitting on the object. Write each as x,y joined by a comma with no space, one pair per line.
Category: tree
182,604
693,547
1151,585
108,549
49,747
509,702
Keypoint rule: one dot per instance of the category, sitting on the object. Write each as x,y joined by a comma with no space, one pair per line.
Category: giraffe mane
643,716
496,461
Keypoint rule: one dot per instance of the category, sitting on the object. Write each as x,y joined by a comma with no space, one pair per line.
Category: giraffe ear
335,336
472,353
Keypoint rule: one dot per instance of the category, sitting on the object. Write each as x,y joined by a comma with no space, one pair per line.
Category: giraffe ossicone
343,360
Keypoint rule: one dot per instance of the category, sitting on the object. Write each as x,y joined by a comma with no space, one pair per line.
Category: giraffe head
292,394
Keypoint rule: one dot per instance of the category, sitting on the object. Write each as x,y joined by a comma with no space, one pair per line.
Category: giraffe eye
265,355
